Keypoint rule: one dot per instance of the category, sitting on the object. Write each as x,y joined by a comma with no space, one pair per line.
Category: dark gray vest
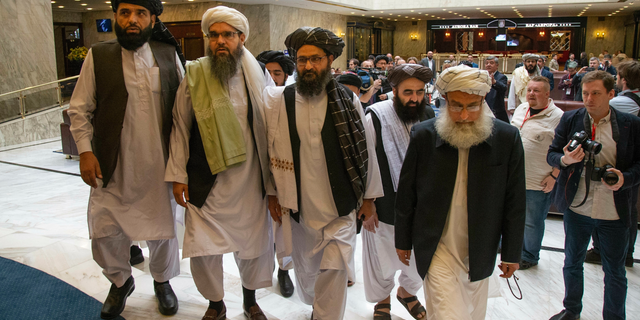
112,96
343,194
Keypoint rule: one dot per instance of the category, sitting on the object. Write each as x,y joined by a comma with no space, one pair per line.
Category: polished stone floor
43,225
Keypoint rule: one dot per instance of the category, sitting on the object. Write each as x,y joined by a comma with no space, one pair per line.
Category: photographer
586,141
607,66
380,73
593,66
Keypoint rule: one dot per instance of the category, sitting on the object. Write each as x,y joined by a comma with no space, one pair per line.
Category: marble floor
43,225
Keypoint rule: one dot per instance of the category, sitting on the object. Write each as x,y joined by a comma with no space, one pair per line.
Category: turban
321,38
160,31
465,79
154,6
350,79
285,62
231,16
530,56
572,64
403,72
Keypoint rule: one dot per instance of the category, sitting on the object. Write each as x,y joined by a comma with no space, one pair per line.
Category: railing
506,64
18,104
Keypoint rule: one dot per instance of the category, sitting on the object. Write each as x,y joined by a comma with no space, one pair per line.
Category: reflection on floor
43,224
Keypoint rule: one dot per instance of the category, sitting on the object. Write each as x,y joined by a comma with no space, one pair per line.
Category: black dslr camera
588,145
610,178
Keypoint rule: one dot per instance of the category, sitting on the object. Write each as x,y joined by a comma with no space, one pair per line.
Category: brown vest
112,96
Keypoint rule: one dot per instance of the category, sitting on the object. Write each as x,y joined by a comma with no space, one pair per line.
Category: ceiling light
412,10
413,18
83,4
53,2
89,8
353,13
107,2
444,9
381,11
60,7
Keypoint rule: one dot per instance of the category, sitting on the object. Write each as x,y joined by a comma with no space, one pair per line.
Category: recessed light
83,4
53,2
413,18
107,2
381,11
412,10
353,13
89,8
395,19
60,7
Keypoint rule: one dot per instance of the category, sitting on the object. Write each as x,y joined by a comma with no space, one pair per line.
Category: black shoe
593,257
524,265
565,315
116,300
136,255
286,285
628,262
167,300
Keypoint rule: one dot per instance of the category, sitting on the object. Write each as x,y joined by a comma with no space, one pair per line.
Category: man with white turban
324,169
461,189
521,77
219,164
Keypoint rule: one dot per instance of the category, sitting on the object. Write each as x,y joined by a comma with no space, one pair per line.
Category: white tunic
449,292
136,201
234,217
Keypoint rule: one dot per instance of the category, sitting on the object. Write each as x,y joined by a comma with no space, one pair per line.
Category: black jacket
496,197
627,160
495,97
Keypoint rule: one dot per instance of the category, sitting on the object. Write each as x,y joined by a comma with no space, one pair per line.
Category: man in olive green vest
121,120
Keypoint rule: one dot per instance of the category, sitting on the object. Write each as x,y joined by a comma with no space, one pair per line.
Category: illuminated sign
458,26
550,25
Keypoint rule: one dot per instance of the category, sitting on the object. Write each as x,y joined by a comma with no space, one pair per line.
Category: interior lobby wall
66,16
403,45
288,19
613,28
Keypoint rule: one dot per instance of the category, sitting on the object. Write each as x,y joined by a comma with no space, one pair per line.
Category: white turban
465,79
225,14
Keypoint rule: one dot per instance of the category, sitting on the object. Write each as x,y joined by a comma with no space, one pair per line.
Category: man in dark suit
495,97
544,70
430,63
453,231
590,203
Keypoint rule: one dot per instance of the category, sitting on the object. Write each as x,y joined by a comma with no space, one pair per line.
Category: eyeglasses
302,61
474,108
227,35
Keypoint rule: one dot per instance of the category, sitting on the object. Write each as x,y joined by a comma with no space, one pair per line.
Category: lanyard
593,131
528,116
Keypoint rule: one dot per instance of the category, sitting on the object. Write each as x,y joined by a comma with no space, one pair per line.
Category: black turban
160,31
403,72
350,79
321,38
154,6
381,57
277,56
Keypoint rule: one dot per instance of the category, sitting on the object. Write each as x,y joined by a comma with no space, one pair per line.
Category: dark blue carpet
28,293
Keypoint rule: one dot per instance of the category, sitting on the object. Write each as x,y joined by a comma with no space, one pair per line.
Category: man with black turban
392,120
121,121
279,65
324,168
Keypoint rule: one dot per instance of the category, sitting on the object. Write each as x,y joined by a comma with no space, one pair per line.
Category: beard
311,83
464,135
132,41
530,70
410,112
225,66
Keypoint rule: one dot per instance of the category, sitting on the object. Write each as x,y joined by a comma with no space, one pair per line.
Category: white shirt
137,200
625,104
537,133
600,203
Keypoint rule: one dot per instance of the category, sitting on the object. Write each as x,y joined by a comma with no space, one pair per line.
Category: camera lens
610,178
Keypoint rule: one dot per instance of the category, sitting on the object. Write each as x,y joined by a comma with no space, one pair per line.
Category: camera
609,177
588,145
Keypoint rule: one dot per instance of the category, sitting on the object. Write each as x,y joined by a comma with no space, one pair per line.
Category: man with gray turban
521,76
461,189
324,168
121,121
392,121
219,164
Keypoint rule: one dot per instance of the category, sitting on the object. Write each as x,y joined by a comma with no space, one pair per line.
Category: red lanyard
528,116
593,131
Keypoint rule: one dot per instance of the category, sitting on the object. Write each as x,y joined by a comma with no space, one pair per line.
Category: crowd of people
275,156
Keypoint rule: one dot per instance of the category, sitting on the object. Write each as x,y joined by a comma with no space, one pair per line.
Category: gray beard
464,136
226,66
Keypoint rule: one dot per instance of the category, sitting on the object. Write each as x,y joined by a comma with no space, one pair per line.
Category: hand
583,70
274,209
367,211
547,184
90,168
383,96
508,269
574,156
371,224
618,185
493,80
377,84
338,71
180,189
404,256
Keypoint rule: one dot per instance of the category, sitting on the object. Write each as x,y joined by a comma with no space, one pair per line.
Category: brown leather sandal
417,308
382,315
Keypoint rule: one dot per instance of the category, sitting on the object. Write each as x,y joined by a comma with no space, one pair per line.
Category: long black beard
531,71
309,87
132,41
225,66
409,114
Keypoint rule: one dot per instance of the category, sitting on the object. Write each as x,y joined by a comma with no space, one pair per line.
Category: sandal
381,315
417,308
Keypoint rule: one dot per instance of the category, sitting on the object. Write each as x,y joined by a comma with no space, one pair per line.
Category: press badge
568,91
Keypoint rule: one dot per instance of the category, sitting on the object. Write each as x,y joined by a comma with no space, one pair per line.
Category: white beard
464,135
